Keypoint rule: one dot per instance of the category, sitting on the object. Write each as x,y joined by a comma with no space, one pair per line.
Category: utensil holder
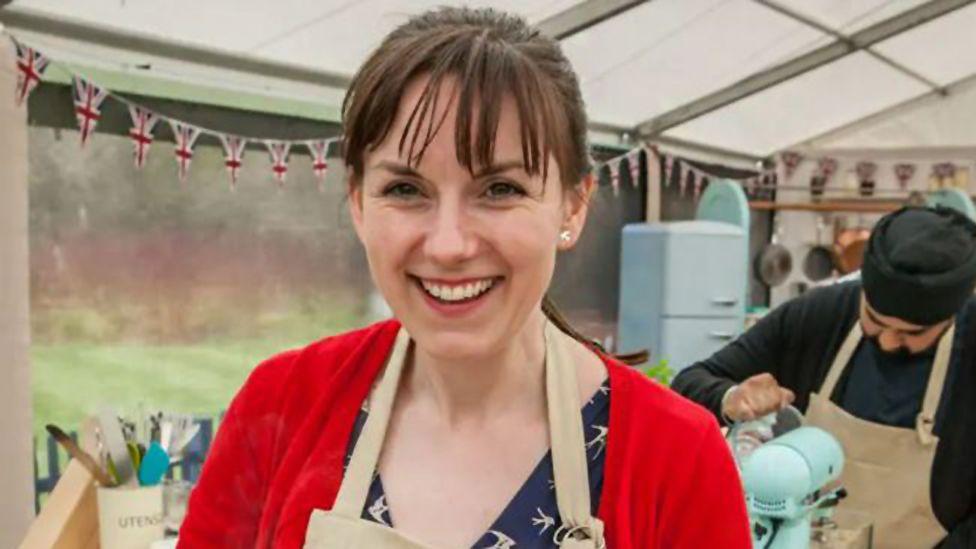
130,518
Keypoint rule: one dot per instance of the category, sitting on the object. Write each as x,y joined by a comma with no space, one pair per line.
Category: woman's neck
469,392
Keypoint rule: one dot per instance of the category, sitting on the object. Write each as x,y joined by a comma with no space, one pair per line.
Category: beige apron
886,469
343,527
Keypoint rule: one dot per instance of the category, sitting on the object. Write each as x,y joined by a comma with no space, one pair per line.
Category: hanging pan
818,264
774,262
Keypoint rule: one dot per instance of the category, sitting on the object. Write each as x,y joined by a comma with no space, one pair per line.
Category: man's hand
756,397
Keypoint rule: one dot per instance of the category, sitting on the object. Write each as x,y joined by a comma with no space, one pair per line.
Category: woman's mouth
457,292
456,298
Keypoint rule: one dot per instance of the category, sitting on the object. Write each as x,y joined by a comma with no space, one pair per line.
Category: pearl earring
565,236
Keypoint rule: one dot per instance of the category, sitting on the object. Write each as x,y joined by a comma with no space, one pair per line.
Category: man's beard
902,352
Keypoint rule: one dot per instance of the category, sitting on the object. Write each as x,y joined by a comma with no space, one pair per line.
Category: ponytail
557,318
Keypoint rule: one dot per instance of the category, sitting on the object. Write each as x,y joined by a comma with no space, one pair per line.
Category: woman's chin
455,345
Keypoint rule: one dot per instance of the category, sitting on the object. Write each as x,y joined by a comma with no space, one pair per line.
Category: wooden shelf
854,205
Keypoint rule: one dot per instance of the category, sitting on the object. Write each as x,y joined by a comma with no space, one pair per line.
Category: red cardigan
669,481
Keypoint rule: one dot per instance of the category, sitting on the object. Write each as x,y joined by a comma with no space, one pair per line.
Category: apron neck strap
566,435
841,360
565,431
925,421
362,465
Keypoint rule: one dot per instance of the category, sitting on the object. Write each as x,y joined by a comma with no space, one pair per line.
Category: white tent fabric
635,66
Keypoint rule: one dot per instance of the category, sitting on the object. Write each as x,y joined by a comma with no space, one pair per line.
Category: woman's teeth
460,292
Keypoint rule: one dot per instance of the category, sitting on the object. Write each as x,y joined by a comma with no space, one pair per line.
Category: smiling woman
476,418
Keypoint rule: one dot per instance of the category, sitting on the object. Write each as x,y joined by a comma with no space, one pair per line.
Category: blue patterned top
531,518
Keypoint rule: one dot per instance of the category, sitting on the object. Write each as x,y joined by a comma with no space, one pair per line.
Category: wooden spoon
83,457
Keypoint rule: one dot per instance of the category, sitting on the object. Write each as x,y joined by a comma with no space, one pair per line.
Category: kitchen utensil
83,457
774,263
135,454
115,444
154,465
849,245
176,494
179,445
818,264
165,432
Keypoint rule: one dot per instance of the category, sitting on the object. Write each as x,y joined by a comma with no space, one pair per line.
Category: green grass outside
72,379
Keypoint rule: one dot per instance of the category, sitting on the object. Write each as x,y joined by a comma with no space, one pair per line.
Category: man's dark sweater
797,342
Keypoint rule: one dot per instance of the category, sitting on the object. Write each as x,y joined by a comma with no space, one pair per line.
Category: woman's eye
402,189
503,189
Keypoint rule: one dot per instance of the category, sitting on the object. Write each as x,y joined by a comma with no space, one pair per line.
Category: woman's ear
576,203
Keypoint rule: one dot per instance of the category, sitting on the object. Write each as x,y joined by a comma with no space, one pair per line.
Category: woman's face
462,260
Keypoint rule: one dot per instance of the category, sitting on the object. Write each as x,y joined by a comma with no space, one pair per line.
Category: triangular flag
185,136
904,173
614,167
699,184
88,99
233,155
31,65
827,167
141,133
684,174
791,160
633,162
319,150
668,168
279,159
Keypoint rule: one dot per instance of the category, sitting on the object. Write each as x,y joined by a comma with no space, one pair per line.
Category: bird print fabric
531,519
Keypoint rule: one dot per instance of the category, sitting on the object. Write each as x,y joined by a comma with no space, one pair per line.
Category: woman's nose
449,240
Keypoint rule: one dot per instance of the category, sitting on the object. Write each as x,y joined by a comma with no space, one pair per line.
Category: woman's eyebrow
397,168
500,167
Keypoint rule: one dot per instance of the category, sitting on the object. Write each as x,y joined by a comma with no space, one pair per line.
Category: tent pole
16,407
799,65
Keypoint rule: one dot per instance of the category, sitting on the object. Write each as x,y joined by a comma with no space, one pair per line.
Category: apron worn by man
343,528
887,469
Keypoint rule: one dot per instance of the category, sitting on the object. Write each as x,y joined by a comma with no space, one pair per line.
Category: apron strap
568,444
580,529
841,360
359,475
925,422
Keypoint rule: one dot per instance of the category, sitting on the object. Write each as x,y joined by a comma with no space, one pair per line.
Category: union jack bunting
904,173
88,99
827,167
31,65
185,136
685,178
791,160
668,168
233,155
615,176
699,184
319,150
279,159
141,133
633,162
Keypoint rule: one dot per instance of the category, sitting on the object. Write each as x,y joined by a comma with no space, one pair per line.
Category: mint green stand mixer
789,472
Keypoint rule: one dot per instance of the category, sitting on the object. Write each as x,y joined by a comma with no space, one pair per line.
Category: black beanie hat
920,264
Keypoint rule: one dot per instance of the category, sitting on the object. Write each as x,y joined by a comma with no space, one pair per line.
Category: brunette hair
491,55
